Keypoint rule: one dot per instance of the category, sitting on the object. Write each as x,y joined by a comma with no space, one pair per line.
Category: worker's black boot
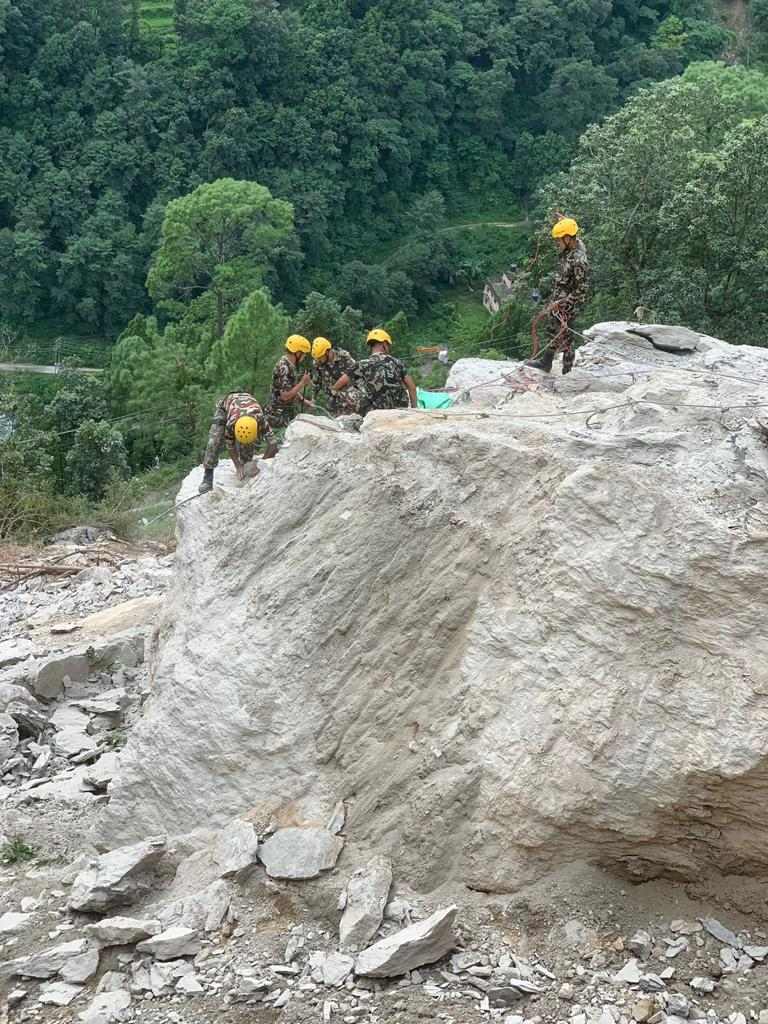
207,484
542,362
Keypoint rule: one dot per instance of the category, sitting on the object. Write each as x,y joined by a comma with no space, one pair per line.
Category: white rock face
115,877
367,894
542,630
419,944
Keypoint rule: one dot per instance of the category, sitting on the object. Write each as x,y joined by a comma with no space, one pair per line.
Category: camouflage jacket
571,283
382,378
325,374
228,412
284,377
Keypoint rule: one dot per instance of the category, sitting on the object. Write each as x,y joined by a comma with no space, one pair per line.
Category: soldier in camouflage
569,293
234,407
384,380
331,364
286,393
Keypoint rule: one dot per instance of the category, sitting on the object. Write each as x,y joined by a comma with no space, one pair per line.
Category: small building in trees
498,292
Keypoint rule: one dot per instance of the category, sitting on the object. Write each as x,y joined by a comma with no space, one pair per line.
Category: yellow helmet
320,348
378,337
247,430
565,226
297,343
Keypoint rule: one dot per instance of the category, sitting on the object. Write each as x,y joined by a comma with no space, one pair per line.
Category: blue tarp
433,399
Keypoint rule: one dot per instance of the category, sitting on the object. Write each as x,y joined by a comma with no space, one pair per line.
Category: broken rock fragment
58,993
171,944
9,737
116,877
720,932
331,969
49,682
297,853
81,968
122,931
421,943
108,1008
236,848
367,894
13,922
203,911
45,963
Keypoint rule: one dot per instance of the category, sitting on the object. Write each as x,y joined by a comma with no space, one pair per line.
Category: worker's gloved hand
250,469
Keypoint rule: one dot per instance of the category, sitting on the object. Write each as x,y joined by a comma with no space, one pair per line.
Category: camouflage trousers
348,402
560,338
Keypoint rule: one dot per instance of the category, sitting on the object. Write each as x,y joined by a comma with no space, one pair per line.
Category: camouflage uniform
324,375
569,291
382,379
284,377
228,411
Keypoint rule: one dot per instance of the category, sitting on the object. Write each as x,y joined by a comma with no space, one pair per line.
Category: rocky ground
269,917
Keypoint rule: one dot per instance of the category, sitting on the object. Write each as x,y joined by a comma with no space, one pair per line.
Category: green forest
185,182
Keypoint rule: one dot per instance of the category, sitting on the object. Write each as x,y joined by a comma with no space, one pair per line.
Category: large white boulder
507,637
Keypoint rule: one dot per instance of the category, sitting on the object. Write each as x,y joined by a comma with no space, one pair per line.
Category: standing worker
569,293
240,421
287,387
383,379
331,364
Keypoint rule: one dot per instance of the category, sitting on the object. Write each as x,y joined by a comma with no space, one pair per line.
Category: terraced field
157,17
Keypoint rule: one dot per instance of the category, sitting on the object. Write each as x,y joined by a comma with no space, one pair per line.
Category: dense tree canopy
350,110
671,191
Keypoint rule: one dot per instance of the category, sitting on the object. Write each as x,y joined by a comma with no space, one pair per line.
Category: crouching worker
240,422
330,366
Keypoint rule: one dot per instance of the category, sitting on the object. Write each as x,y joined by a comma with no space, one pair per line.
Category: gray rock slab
367,895
420,943
116,877
331,969
13,922
9,736
50,677
99,775
629,974
108,1008
46,963
81,968
669,338
236,848
641,944
122,931
59,993
203,911
720,932
171,944
14,651
10,693
298,853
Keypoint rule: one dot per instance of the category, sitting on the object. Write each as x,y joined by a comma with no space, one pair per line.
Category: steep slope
506,637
